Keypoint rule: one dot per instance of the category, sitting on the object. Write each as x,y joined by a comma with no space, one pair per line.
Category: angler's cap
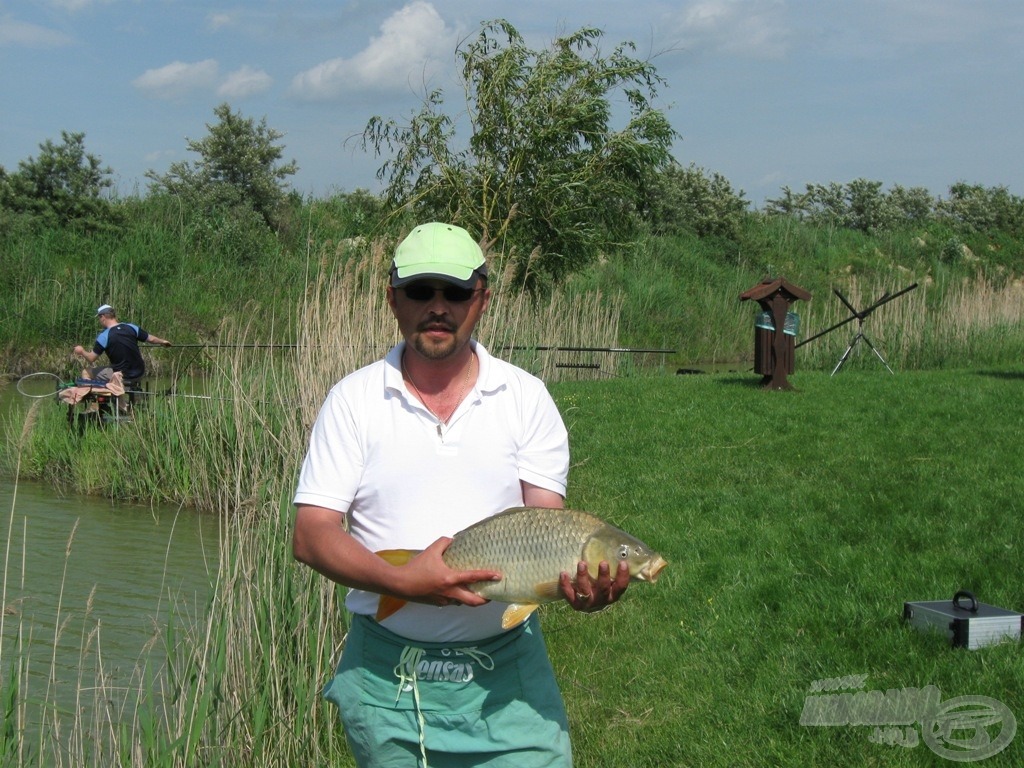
440,251
104,309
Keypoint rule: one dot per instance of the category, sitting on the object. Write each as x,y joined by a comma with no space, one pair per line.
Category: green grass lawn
795,524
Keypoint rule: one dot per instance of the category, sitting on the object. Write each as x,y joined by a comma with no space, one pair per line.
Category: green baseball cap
440,251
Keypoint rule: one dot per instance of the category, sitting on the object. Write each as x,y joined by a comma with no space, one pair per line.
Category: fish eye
623,551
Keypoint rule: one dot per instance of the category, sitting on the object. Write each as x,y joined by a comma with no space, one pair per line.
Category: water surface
87,584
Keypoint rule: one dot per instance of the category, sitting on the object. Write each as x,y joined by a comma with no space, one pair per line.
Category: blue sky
768,93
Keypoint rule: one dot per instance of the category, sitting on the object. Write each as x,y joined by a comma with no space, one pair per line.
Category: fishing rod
514,348
24,385
541,348
171,393
861,315
236,346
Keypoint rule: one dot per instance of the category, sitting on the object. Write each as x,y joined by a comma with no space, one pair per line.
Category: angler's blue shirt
121,344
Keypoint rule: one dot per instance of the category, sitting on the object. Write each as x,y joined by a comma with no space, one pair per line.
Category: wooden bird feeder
775,330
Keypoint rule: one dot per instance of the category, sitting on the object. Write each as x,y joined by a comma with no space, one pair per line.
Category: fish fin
516,614
388,605
548,591
396,556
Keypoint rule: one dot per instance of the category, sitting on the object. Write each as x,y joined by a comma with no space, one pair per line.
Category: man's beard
434,351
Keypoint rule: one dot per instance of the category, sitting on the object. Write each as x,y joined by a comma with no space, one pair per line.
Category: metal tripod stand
859,316
859,336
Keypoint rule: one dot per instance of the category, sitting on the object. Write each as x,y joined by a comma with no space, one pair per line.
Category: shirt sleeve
100,345
333,464
544,453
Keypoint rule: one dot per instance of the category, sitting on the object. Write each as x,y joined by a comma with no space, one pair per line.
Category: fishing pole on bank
512,348
237,346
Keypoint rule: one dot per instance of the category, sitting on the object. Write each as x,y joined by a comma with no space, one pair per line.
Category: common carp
531,547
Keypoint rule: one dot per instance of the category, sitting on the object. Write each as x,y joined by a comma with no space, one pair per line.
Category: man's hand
428,579
589,594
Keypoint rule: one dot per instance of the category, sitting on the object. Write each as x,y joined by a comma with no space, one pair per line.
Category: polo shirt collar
490,378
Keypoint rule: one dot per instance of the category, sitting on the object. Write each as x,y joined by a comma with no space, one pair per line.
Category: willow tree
562,145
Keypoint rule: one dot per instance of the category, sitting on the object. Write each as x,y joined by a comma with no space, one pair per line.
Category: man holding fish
407,453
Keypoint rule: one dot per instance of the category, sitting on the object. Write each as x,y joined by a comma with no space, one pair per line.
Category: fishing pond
87,585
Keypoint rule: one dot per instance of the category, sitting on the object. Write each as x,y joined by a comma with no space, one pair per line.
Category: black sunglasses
455,294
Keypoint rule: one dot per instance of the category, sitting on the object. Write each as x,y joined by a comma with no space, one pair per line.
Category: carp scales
531,547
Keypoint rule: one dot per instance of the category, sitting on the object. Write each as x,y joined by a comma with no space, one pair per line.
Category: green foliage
64,185
912,206
973,208
545,176
233,230
862,205
238,168
172,273
345,214
859,205
691,200
9,697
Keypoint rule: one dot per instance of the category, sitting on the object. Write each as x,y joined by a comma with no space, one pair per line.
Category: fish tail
388,606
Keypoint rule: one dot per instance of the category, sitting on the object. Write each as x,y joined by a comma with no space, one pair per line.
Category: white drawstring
407,673
477,656
407,676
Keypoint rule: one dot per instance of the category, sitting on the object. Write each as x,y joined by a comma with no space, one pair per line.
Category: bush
691,200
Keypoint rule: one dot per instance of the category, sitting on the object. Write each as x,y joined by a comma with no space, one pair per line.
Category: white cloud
14,32
177,78
159,155
746,28
215,21
411,44
72,5
244,82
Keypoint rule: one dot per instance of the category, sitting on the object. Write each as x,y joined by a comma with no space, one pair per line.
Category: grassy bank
186,279
795,524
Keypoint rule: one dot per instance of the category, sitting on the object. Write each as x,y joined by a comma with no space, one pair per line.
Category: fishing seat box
965,622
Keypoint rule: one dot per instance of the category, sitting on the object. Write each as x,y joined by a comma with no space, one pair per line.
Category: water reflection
122,565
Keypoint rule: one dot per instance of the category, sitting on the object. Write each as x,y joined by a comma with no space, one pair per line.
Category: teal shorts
493,704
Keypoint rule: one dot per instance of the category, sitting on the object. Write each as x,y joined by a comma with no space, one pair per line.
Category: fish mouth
650,571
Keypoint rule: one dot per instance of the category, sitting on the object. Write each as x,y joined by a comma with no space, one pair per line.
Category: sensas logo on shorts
455,665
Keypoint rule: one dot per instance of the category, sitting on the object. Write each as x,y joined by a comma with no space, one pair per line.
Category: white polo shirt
376,454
